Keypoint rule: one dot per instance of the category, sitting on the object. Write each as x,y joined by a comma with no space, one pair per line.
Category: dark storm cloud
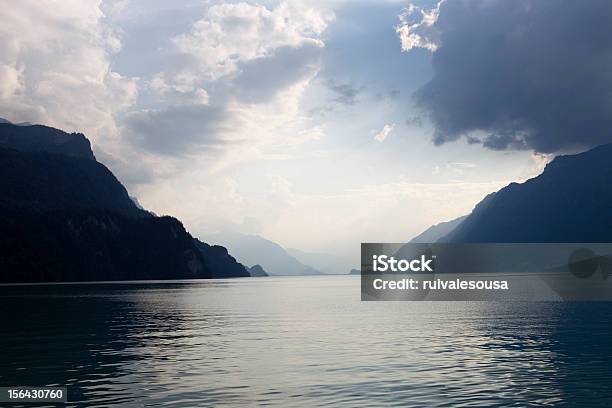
522,74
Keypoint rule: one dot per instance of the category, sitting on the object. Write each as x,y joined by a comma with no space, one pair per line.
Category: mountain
65,217
95,245
43,181
435,232
253,249
257,271
38,138
571,201
220,262
2,120
325,263
355,272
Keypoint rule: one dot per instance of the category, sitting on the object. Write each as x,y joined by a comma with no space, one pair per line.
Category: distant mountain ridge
325,263
65,217
253,249
571,201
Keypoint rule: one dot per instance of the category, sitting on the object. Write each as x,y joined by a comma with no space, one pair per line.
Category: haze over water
304,341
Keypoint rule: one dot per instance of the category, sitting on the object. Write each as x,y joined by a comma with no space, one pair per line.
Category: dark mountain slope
94,245
65,217
38,138
435,232
220,262
47,182
571,201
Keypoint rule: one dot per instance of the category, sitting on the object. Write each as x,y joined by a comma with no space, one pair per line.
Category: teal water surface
299,341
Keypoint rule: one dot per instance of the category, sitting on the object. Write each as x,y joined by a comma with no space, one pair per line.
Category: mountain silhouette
39,138
253,249
571,201
221,263
257,271
435,232
48,181
65,217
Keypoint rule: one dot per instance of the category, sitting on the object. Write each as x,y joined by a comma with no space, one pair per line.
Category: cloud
391,94
235,76
55,67
524,74
346,93
179,131
417,29
238,77
415,121
306,135
260,79
229,34
386,131
178,90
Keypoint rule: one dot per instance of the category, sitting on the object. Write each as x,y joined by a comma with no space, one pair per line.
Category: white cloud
244,66
55,67
231,33
416,28
183,88
201,96
386,131
306,135
11,81
247,63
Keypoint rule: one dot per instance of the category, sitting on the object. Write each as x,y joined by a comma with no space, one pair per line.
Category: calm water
299,342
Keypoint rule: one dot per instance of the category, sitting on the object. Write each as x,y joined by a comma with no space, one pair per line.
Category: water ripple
299,342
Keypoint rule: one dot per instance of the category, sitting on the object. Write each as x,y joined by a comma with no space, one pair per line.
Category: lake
299,341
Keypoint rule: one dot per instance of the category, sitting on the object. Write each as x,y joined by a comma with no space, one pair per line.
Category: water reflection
299,341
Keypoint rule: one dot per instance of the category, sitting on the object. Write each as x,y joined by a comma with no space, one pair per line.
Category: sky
321,124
